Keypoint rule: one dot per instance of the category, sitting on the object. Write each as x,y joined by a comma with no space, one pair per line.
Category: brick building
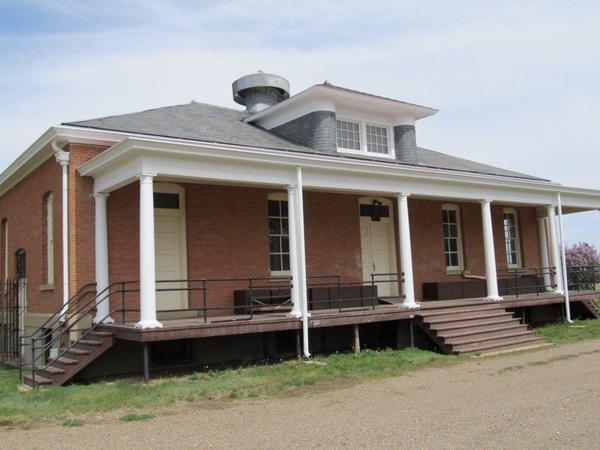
195,222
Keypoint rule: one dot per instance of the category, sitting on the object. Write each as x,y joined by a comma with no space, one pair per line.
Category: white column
62,158
294,250
544,253
147,264
302,264
101,257
489,251
555,257
406,266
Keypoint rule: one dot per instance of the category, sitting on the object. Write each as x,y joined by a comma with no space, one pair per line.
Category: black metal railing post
204,309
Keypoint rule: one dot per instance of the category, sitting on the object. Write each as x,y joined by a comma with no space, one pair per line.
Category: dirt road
548,398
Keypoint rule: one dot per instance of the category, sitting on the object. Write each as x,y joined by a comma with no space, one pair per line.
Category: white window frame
49,205
362,128
517,238
459,243
280,196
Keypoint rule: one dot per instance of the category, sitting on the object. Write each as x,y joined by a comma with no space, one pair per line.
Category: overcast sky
517,82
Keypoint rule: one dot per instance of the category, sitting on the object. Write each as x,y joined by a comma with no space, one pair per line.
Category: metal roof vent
259,91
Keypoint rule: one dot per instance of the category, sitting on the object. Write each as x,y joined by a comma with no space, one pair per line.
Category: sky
517,82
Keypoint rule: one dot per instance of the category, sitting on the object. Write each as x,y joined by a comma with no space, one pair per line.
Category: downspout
563,259
303,285
62,157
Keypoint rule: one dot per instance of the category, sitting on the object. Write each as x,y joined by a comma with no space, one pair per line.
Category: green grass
62,403
564,333
72,423
134,417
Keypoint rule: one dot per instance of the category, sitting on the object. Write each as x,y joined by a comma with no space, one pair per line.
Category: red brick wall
23,207
427,240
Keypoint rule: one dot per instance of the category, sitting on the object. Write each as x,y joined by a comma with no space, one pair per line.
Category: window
452,237
49,227
348,135
377,139
279,246
361,137
511,238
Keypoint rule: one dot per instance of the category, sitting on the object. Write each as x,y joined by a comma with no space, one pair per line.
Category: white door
170,249
378,253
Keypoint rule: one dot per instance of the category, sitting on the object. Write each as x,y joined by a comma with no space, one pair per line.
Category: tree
583,264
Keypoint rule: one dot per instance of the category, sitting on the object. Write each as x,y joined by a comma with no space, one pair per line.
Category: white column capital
292,188
101,195
402,194
146,177
62,158
485,201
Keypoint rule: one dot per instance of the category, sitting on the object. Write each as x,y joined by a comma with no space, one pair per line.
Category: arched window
279,244
452,237
512,240
48,237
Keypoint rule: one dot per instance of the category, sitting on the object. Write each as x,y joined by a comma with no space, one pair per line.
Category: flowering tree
583,260
582,254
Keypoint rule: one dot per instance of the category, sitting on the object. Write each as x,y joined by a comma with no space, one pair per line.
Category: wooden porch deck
193,328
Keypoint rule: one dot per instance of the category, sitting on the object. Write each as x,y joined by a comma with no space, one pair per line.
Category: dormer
334,120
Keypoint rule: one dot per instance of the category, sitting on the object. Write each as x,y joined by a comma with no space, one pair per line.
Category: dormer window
360,137
377,140
348,135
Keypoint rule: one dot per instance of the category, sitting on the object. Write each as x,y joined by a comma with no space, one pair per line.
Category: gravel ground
548,398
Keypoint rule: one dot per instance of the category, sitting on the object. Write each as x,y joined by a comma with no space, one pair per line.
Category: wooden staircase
476,328
69,364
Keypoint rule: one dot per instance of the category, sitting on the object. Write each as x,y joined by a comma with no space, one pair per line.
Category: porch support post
294,251
490,254
406,265
101,255
558,285
147,264
62,158
544,253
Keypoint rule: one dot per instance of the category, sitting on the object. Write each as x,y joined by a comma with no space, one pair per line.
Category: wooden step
39,381
467,331
472,323
76,351
53,370
460,309
89,342
101,333
496,344
65,360
485,337
468,316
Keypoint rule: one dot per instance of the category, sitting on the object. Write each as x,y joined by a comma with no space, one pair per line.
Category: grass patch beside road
563,333
61,404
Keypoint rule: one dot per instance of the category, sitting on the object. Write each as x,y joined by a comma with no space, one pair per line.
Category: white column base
494,298
410,305
148,324
108,319
294,315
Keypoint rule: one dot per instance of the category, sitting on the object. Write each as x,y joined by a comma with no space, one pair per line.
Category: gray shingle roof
209,123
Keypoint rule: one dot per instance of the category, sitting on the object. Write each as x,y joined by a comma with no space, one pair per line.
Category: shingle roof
209,123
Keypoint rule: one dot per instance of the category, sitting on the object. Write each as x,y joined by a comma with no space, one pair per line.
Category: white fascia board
41,150
227,163
28,161
402,112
